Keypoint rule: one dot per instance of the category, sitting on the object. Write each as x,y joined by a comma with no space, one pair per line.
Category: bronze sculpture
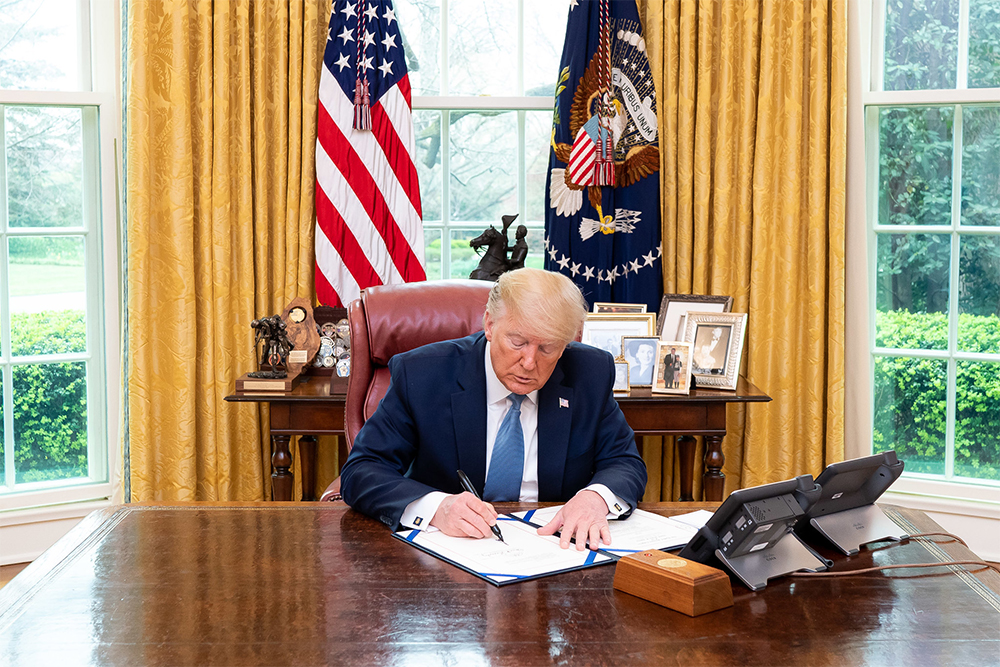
494,260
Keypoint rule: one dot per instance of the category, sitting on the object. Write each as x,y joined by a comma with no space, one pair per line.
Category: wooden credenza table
319,584
316,407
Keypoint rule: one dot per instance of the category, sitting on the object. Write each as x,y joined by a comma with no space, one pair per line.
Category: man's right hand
464,515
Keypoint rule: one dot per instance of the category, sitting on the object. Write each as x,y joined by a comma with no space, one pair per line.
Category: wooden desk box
676,583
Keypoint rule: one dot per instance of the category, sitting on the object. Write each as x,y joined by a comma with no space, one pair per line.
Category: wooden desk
318,584
316,407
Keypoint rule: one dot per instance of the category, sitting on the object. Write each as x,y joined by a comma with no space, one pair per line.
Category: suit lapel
468,409
555,416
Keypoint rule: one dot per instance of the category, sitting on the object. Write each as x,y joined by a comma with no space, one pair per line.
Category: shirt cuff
616,506
419,513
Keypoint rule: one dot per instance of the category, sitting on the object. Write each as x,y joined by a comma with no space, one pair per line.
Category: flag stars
588,272
348,10
552,254
370,13
389,16
574,269
563,262
386,67
343,62
369,39
389,42
634,266
346,35
648,258
366,63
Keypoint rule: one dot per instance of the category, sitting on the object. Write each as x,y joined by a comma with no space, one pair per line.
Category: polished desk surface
318,584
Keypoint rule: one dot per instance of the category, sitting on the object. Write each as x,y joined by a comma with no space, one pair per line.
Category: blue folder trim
501,574
413,535
624,551
504,517
590,558
527,517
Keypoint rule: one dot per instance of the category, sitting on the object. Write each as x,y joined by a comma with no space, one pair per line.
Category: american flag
368,217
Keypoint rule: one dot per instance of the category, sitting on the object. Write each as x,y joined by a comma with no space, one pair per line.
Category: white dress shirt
419,513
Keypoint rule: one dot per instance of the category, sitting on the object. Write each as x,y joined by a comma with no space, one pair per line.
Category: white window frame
979,498
31,519
445,103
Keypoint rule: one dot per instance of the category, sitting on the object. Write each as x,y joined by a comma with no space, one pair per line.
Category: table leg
713,481
685,455
281,464
307,461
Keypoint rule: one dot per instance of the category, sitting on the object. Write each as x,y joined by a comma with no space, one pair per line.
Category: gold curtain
752,106
221,125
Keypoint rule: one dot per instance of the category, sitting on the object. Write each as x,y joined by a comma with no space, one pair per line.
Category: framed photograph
670,323
605,331
605,308
672,374
621,378
640,353
716,347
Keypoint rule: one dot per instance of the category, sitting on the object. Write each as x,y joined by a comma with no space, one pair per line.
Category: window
932,126
57,229
483,73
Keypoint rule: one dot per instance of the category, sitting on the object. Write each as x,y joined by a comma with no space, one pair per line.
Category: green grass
31,279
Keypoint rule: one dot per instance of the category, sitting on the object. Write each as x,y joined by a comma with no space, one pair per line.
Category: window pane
433,261
911,298
427,129
50,421
483,181
536,248
463,258
47,297
40,45
44,167
420,28
984,45
921,44
3,450
979,294
482,47
981,165
544,32
537,130
977,420
915,166
910,411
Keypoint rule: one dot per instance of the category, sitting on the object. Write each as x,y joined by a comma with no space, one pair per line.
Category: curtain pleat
752,111
221,105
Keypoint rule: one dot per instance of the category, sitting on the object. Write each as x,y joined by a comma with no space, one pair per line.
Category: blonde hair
547,304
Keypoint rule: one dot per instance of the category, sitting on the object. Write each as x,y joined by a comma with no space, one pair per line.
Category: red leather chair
389,319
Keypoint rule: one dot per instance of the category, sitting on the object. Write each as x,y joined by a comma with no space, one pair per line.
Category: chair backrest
389,319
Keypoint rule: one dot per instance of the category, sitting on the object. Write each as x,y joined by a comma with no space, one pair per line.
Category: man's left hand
584,517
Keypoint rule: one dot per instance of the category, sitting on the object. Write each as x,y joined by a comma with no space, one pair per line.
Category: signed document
639,532
526,555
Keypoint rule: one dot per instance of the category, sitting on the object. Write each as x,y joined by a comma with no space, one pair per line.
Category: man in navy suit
447,410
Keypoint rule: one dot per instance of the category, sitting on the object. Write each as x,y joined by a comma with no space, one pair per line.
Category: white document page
525,554
641,531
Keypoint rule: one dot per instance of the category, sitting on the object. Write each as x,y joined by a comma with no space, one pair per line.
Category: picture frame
605,331
716,347
640,354
670,323
672,375
603,308
621,385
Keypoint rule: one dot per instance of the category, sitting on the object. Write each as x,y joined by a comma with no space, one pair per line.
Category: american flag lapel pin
563,403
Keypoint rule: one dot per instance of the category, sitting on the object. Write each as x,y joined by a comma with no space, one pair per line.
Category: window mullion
953,285
445,193
5,351
962,79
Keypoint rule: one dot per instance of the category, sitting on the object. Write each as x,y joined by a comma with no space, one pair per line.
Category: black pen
467,485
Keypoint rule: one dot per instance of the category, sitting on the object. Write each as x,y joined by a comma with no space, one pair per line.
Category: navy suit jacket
432,422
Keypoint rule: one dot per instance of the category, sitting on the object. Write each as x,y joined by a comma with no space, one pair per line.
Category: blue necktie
507,463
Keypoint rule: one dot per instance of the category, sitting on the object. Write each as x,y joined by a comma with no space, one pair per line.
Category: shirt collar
495,390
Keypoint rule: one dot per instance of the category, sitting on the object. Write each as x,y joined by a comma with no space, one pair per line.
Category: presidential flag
602,221
368,218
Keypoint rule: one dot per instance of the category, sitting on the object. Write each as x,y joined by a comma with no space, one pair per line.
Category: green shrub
911,394
50,399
